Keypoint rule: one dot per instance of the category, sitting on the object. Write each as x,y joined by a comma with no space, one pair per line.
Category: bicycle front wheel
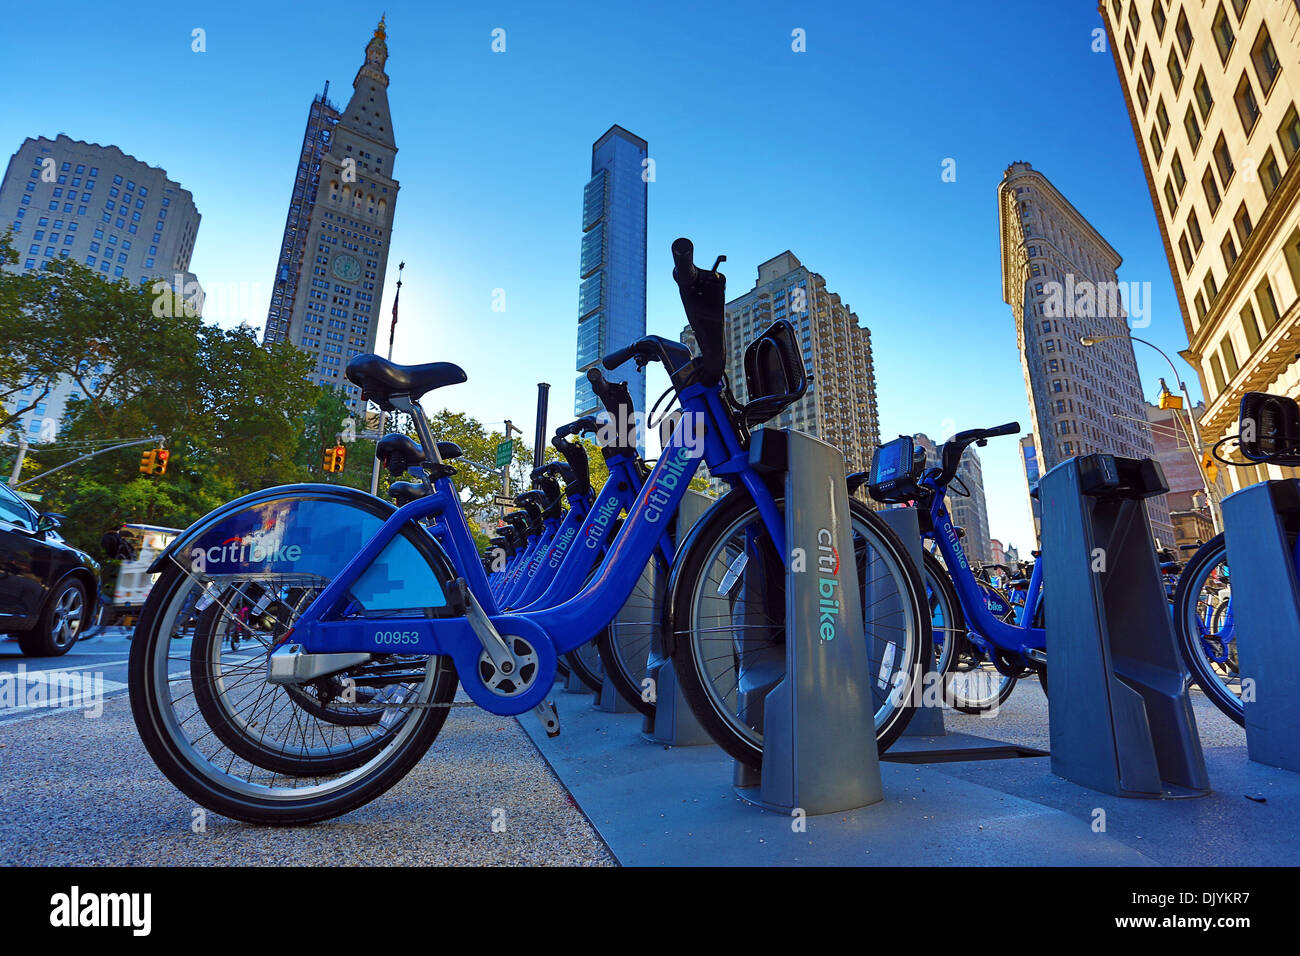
1207,633
628,647
727,620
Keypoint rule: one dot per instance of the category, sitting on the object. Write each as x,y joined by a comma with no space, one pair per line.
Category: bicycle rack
1118,709
819,740
673,723
926,721
1266,615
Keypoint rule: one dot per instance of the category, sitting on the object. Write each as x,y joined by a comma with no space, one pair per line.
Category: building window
1162,118
1264,57
1267,303
1158,17
1247,105
1156,149
1194,228
1289,133
1171,198
1270,176
1183,31
1175,70
1200,305
1223,34
1229,356
1204,99
1143,96
1180,178
1216,369
1250,325
1193,129
1243,224
1185,248
1229,249
1211,188
1223,160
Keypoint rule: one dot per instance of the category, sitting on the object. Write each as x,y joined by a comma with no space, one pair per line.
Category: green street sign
505,451
30,496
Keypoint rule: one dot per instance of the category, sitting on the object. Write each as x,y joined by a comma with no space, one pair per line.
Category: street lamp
1210,496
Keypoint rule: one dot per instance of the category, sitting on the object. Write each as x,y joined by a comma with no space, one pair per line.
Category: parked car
48,588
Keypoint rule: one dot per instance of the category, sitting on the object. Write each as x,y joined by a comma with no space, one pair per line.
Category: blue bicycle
397,602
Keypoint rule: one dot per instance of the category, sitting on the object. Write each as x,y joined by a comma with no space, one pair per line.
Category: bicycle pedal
550,719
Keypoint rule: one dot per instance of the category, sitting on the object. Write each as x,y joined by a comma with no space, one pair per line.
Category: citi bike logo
606,513
661,491
397,637
956,547
561,546
828,579
237,551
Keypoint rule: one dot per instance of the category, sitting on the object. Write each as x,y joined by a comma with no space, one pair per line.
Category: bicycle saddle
381,379
404,492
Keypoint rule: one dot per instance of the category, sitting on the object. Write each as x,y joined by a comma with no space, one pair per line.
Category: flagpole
392,333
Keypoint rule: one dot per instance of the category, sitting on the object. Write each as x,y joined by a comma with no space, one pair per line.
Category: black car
47,587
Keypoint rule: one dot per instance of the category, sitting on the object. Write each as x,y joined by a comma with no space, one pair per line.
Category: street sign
30,496
503,501
505,451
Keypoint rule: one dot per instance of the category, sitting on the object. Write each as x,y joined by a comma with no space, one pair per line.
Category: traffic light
335,458
1210,467
160,461
147,461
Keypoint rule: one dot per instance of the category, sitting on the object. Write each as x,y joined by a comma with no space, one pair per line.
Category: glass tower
611,296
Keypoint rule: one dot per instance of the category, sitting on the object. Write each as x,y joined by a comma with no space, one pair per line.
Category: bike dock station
948,799
1266,609
1121,719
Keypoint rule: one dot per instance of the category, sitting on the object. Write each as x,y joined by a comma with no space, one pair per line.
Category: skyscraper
1213,94
611,297
840,404
1029,458
68,199
1059,277
969,510
330,277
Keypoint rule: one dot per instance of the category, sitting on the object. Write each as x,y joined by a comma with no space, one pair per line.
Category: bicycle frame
323,627
1015,638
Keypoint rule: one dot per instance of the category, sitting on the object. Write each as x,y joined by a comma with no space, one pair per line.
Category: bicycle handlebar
956,446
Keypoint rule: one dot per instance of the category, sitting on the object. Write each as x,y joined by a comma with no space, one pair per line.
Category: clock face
346,268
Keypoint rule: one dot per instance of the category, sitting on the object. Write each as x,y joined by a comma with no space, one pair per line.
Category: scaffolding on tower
321,119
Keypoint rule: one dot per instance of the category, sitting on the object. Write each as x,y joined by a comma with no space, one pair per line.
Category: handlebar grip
684,270
614,359
1010,428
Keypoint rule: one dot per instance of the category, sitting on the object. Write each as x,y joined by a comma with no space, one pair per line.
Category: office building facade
840,404
330,277
612,263
1213,95
1059,277
65,199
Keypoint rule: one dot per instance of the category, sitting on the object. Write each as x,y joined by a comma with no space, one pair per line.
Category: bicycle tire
197,776
1186,598
737,510
625,647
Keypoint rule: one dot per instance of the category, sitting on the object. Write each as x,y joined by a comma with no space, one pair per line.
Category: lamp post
1211,497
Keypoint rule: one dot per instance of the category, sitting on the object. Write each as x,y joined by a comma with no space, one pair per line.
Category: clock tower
330,278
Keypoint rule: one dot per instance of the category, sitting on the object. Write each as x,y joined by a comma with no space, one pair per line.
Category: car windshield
14,510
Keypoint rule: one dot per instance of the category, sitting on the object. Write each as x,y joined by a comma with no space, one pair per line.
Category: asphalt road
80,789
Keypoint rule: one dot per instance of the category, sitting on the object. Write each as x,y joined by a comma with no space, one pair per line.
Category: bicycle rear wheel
1207,634
971,684
628,647
726,603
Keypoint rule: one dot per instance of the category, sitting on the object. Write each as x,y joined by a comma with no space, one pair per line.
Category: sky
835,153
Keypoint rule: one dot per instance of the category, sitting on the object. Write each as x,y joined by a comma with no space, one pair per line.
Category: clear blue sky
834,153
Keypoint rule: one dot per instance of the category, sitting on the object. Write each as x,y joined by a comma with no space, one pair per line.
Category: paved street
84,791
79,790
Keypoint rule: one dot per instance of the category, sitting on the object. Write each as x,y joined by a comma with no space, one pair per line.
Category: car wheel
60,623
